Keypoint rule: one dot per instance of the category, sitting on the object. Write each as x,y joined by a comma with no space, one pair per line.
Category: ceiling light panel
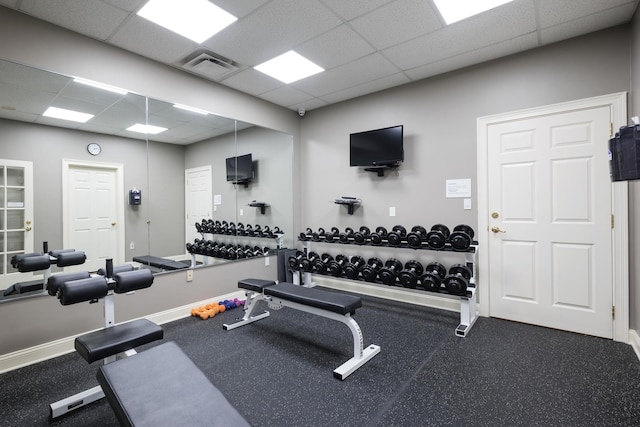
146,129
63,114
457,10
289,67
196,20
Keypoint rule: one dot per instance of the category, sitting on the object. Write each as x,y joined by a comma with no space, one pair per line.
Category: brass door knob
497,230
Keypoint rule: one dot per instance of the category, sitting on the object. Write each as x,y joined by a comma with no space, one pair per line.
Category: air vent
210,66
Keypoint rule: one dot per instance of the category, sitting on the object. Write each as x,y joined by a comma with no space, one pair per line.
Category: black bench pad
109,341
163,263
255,285
163,387
319,298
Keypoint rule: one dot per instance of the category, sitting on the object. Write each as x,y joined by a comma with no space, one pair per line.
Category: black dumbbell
461,237
360,236
438,236
304,236
396,235
214,227
417,236
240,231
320,264
276,230
411,273
346,235
318,235
370,271
248,229
336,266
332,235
457,281
389,273
295,261
257,230
379,236
353,267
431,279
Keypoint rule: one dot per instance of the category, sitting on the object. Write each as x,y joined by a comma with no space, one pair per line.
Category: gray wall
439,117
634,186
46,146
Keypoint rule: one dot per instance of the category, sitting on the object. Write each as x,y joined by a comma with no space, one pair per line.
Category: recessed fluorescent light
101,86
61,113
146,129
193,110
289,67
457,10
194,19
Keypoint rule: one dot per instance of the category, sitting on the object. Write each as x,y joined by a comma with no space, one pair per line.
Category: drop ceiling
364,45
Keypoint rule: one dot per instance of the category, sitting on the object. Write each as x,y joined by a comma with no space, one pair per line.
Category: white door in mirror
94,149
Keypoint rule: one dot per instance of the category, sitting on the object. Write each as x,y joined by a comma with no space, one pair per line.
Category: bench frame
361,355
79,400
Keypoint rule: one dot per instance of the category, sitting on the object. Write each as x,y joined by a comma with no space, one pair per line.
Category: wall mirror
61,178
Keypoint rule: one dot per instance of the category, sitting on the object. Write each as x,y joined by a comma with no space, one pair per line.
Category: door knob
113,223
497,230
27,228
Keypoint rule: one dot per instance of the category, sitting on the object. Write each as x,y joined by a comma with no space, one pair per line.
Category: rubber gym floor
278,372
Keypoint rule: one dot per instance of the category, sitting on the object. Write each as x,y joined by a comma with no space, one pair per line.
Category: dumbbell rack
468,302
279,238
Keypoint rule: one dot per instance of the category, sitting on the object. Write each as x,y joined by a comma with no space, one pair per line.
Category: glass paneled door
16,217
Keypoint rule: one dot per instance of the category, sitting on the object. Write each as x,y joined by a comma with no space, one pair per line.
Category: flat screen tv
240,169
379,147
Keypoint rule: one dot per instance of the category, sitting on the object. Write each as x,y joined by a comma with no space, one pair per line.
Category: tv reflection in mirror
379,147
240,169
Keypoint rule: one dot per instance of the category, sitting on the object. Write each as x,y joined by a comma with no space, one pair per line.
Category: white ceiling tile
401,20
128,5
153,41
286,96
270,31
78,15
354,8
311,104
252,82
371,67
464,36
367,88
240,8
336,47
587,24
554,12
495,51
9,3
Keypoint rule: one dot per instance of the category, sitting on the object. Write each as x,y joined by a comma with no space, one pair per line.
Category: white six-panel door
94,213
551,237
198,199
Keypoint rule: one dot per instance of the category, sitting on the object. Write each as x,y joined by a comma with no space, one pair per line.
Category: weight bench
332,305
112,341
41,261
163,387
161,263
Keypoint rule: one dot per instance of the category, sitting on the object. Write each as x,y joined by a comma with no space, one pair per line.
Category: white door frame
118,168
620,263
207,168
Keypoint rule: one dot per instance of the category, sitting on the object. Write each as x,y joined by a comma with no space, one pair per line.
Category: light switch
467,204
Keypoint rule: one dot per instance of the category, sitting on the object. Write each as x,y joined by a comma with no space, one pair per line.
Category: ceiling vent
209,65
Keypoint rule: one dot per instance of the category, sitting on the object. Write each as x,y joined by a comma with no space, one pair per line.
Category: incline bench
332,305
160,386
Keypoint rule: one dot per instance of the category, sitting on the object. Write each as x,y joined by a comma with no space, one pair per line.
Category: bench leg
74,402
360,354
249,307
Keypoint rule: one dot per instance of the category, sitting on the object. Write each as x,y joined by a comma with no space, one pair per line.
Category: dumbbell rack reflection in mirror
225,228
468,301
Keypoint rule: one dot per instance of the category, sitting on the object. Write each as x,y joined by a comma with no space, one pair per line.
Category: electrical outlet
132,246
189,275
